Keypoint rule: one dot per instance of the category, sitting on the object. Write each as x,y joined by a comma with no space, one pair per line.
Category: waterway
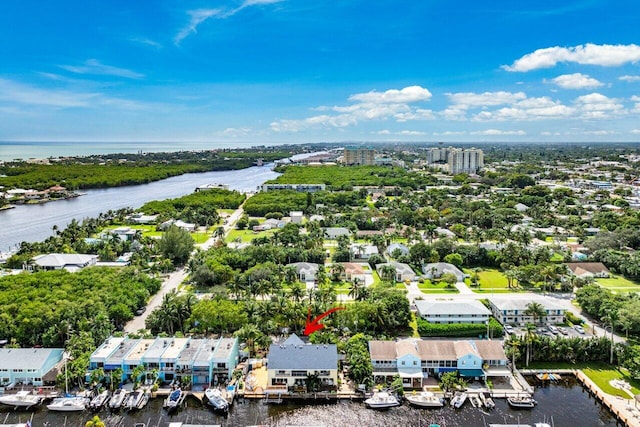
33,223
566,402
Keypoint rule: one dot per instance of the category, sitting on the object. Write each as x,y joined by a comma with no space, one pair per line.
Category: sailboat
68,403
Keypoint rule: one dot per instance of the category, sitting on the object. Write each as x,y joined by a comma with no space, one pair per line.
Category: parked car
554,330
140,311
509,329
579,329
563,330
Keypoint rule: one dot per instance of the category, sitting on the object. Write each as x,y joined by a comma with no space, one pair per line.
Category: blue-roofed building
292,362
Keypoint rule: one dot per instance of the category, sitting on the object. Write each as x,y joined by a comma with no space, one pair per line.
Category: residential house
453,311
397,248
123,233
520,207
306,271
415,360
140,218
354,271
513,311
27,366
187,226
445,232
296,217
292,362
588,269
303,188
333,233
403,271
362,252
438,269
70,262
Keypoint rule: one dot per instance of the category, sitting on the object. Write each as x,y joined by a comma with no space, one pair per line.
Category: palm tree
357,290
388,273
249,333
297,291
529,337
535,310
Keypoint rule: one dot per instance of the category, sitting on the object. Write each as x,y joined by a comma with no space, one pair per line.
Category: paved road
177,277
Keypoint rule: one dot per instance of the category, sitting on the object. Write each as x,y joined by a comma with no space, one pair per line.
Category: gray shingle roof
25,358
303,357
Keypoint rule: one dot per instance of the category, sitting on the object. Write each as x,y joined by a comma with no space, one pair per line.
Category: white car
509,329
579,329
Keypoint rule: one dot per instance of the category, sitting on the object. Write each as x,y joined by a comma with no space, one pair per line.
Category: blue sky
271,71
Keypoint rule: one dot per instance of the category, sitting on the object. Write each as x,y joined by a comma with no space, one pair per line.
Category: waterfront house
27,366
403,271
415,360
303,188
438,269
294,364
123,233
70,262
453,311
588,269
306,271
513,311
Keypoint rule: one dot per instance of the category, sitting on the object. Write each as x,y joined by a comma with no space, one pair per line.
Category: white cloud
450,133
93,66
528,109
599,132
147,42
587,54
598,106
576,81
236,132
629,78
464,100
391,104
384,132
635,131
408,94
198,16
497,132
248,3
411,132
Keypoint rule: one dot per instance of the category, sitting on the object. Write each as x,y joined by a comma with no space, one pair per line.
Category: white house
453,311
513,311
362,252
296,217
27,366
71,262
403,271
335,232
392,248
306,271
588,269
438,269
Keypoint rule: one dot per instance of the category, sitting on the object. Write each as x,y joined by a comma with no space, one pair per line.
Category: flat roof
206,351
123,349
26,358
138,351
188,354
157,348
224,348
107,347
175,348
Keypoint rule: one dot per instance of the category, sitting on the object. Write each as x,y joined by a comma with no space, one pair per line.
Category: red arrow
313,326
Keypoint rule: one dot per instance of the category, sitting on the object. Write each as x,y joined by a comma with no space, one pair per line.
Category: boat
136,400
99,400
231,393
117,399
68,404
425,399
458,399
487,401
525,402
22,399
544,376
215,399
475,400
381,400
174,399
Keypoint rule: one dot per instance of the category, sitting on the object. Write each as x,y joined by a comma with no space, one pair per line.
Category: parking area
551,331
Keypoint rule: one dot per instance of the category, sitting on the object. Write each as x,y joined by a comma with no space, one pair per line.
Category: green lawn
246,236
619,283
435,288
200,237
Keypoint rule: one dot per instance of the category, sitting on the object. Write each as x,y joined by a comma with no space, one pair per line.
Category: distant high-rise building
458,160
359,156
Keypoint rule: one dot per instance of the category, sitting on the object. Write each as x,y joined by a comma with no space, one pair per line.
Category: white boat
117,399
525,402
136,400
68,404
215,399
174,400
99,400
476,401
381,400
22,399
458,399
425,399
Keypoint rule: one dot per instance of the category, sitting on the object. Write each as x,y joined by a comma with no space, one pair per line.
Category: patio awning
408,375
498,372
472,372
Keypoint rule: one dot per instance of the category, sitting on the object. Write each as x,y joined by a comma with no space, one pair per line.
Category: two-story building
27,366
453,311
515,311
292,364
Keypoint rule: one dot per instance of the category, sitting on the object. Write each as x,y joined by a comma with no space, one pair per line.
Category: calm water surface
33,223
567,403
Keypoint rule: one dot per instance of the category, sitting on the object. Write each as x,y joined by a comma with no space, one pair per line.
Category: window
168,365
415,363
222,365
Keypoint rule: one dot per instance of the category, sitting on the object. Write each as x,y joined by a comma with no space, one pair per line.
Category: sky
299,71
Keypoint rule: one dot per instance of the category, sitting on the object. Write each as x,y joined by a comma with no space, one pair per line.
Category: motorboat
425,399
22,399
117,399
458,399
215,399
99,400
231,393
382,400
174,400
525,402
136,400
487,401
475,400
68,404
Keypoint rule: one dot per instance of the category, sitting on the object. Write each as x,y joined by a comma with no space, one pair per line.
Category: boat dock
623,409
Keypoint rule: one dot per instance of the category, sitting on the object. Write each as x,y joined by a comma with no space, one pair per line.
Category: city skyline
288,71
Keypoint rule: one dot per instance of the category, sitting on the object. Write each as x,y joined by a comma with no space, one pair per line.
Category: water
10,150
33,223
567,403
